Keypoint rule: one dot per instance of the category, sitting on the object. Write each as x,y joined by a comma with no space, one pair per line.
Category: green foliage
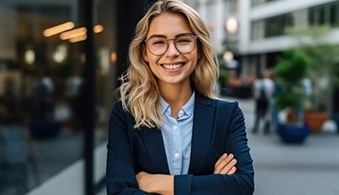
293,66
316,44
286,99
223,76
291,69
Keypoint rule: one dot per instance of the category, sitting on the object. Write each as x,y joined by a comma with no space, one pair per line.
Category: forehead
169,24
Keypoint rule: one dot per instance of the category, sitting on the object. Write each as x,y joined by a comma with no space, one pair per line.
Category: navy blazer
218,127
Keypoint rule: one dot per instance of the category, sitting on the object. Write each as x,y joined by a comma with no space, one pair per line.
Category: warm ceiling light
114,56
58,29
78,38
98,28
73,33
30,56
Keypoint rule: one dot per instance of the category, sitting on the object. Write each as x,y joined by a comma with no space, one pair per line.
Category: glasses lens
184,44
157,45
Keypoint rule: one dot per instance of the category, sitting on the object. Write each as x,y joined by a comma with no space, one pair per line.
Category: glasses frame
195,37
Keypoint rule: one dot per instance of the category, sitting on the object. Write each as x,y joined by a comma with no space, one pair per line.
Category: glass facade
276,26
271,27
327,14
42,108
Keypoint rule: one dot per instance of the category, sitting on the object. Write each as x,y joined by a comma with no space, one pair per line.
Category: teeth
172,66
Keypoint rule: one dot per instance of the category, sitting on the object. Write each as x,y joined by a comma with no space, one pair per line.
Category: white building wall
283,6
214,13
213,16
249,14
219,31
244,25
217,12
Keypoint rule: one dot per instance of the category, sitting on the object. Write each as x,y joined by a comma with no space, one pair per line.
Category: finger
232,171
223,162
228,167
140,174
219,164
222,157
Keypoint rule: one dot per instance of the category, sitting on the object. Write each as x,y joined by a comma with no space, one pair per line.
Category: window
259,2
327,14
276,26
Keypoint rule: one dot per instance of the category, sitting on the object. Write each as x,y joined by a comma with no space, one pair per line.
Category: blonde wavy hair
139,91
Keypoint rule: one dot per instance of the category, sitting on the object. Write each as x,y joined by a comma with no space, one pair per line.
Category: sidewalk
282,169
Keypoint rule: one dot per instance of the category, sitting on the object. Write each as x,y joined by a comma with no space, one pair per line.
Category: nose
172,50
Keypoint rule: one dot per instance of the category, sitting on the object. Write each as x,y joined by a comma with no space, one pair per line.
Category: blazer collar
202,130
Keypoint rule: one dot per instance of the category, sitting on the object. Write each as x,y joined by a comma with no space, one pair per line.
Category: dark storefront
57,88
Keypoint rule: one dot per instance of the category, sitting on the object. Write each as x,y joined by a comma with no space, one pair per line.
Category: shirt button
175,127
176,155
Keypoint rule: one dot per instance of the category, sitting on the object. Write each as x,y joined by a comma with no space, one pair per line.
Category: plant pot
315,120
293,134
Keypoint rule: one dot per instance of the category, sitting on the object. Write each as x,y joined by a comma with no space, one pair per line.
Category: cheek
145,55
146,59
195,58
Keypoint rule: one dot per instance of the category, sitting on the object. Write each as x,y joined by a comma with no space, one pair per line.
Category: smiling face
172,67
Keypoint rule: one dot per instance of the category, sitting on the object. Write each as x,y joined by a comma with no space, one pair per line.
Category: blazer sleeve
120,172
242,182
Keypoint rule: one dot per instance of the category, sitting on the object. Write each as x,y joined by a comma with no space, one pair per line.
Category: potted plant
323,73
323,80
290,71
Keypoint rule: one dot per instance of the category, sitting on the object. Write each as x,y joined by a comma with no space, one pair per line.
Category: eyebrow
163,36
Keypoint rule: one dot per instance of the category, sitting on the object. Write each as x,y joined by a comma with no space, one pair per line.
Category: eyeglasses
183,43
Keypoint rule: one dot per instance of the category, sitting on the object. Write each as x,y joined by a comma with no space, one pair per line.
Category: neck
176,96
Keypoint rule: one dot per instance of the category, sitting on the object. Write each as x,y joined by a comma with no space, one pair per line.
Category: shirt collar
188,108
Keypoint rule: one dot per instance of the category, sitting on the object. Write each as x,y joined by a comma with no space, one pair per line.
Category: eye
184,40
157,41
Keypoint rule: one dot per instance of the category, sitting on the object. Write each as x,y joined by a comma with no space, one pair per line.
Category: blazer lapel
202,130
156,150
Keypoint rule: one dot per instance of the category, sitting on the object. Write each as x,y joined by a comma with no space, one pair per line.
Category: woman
166,134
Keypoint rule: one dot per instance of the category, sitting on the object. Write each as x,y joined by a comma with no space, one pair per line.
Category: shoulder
119,115
227,107
223,104
117,106
118,110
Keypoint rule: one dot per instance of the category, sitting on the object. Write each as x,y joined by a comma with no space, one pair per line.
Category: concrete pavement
283,169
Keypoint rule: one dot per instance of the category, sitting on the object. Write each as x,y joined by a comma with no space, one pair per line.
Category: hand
225,165
155,183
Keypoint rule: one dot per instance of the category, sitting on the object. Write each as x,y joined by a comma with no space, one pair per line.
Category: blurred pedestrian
74,94
42,98
10,108
167,134
273,110
263,91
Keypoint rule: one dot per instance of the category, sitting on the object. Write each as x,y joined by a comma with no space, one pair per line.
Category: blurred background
59,67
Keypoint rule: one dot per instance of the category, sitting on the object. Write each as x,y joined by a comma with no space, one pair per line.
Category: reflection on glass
41,90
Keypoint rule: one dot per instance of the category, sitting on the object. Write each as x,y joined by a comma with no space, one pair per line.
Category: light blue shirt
177,136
